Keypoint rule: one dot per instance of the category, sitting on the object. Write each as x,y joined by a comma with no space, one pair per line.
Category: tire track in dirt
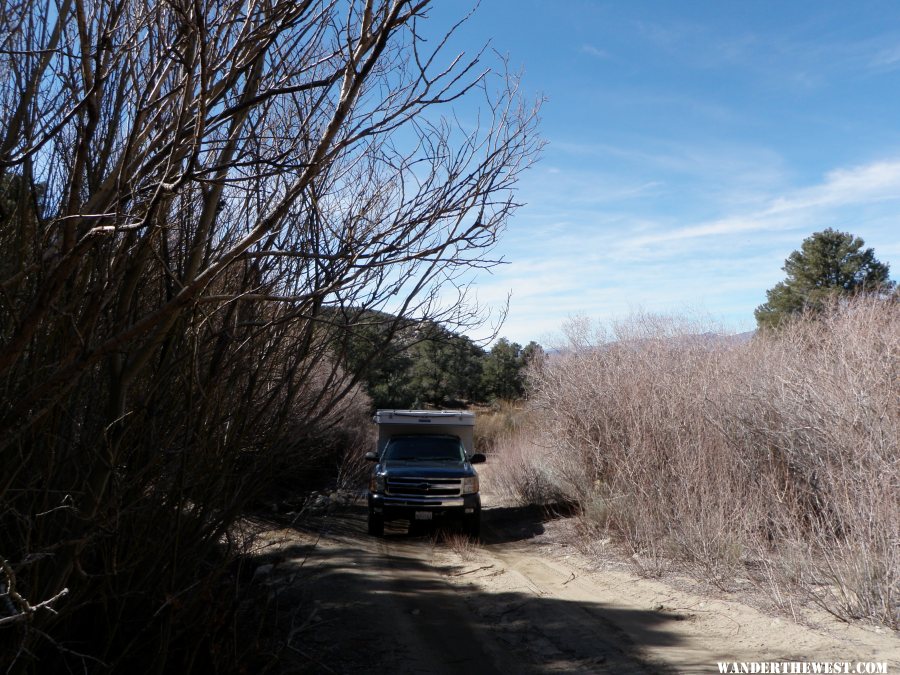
558,622
436,628
401,604
433,603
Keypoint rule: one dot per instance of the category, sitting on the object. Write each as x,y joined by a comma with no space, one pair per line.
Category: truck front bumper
392,507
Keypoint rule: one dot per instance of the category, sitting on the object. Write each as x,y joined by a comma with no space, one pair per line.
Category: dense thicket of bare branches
197,200
772,460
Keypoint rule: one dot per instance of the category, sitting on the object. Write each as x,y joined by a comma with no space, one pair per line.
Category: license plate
424,515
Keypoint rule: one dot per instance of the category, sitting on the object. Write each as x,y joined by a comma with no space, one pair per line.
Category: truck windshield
430,448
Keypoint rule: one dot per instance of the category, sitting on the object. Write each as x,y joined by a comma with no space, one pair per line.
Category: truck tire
472,526
376,524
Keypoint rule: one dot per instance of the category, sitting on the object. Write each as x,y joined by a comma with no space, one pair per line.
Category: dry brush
774,459
198,202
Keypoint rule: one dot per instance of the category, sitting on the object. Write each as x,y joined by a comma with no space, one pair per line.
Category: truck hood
431,469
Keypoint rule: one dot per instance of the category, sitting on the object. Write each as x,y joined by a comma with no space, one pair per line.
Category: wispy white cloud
604,264
591,50
855,186
797,57
887,58
732,163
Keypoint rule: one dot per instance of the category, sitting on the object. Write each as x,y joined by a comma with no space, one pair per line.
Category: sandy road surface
519,603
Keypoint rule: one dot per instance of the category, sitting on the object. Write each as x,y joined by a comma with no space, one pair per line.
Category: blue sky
691,147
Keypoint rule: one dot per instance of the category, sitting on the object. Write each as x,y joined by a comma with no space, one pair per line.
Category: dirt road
521,602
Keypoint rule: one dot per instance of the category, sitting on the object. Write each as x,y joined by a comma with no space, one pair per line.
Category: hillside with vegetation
423,364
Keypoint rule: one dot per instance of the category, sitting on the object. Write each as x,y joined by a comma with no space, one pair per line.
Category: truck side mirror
371,456
477,458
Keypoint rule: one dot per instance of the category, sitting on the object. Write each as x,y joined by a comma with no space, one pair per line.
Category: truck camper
424,469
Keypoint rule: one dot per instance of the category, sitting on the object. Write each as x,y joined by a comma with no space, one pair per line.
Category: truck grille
424,487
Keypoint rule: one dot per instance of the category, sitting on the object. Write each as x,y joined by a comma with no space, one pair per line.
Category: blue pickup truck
424,469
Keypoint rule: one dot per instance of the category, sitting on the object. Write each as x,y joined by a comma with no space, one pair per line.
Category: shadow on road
367,604
507,524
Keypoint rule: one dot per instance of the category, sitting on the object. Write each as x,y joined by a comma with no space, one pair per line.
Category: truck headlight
470,485
376,483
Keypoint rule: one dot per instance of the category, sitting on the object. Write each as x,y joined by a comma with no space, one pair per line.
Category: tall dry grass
774,458
496,422
503,433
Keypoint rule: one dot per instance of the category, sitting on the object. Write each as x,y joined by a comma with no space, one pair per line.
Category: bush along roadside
772,459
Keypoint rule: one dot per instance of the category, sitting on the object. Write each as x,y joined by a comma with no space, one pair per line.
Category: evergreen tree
828,264
446,371
532,353
503,371
423,364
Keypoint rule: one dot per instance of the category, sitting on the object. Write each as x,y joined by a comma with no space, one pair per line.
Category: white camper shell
459,423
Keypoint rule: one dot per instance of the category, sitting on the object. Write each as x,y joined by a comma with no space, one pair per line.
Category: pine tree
502,377
828,264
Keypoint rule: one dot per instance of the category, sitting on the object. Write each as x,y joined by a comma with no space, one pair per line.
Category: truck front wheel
376,524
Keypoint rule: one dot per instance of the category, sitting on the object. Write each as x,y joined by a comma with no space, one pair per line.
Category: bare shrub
499,420
199,204
822,417
521,471
777,453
